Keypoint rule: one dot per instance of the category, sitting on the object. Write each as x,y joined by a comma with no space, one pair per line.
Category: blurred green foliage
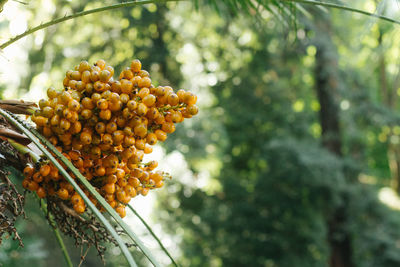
259,188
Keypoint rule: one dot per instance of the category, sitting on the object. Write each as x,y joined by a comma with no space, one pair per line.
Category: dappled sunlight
389,197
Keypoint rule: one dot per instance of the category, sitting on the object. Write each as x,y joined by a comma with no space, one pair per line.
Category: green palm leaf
153,234
32,136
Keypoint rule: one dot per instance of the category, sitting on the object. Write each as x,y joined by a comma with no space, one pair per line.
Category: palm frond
343,7
287,8
153,234
56,233
80,14
98,197
32,136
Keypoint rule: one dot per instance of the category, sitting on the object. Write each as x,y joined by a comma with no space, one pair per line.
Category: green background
294,158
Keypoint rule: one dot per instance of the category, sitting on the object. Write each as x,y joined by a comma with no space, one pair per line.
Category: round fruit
104,127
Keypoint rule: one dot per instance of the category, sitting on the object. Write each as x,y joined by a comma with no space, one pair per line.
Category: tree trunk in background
394,165
326,84
389,99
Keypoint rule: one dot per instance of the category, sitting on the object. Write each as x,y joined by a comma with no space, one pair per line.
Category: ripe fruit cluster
104,127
